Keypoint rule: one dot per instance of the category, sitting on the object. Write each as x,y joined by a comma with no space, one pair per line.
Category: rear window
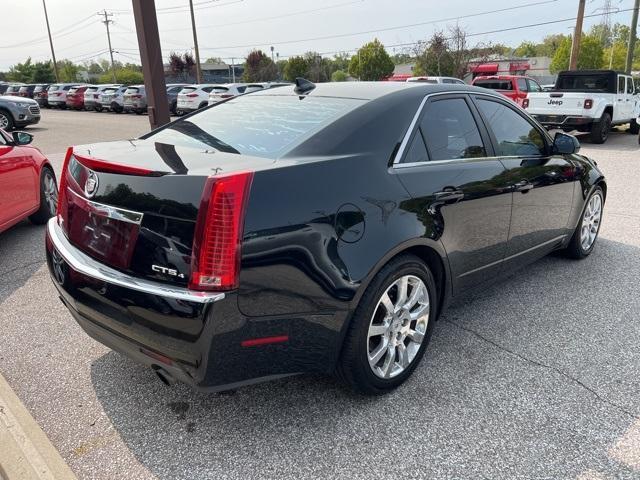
68,87
188,89
40,88
24,89
131,90
53,88
262,126
110,90
91,89
494,84
219,90
597,83
73,90
423,80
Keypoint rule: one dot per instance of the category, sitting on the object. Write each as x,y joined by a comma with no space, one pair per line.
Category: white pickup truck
589,101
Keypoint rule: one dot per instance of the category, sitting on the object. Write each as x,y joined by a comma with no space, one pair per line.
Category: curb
25,451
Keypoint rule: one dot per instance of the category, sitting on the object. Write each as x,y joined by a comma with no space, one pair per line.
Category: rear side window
450,131
264,126
515,136
630,88
417,151
621,84
494,84
241,88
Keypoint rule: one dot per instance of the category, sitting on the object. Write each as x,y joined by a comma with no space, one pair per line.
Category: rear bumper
573,122
197,337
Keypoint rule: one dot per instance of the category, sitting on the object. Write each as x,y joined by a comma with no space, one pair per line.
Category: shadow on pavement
536,377
21,255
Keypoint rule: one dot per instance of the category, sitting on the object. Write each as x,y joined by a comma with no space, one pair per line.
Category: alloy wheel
398,326
50,192
4,121
591,222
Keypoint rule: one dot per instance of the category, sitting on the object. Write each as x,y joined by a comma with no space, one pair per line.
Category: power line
276,17
286,42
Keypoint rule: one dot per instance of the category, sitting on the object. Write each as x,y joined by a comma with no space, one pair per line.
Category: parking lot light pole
144,12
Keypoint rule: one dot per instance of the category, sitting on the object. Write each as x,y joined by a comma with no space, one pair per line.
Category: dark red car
515,87
27,183
75,97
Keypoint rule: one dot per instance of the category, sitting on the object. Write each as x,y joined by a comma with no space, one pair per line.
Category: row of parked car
183,98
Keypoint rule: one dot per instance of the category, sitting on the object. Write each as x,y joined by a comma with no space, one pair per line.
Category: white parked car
92,96
112,98
589,101
229,90
255,87
57,94
434,80
193,97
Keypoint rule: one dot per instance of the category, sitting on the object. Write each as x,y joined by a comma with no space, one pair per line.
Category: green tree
550,44
338,76
123,75
436,57
258,67
340,62
526,49
590,56
318,68
21,72
43,73
68,71
213,60
372,62
295,67
616,56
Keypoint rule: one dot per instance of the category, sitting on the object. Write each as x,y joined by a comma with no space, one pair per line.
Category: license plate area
107,233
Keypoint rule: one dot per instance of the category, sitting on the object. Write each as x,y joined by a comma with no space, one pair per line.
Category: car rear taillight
525,102
588,103
61,211
215,260
136,96
191,95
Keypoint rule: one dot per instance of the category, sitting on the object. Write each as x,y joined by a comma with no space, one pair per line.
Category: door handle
523,186
447,195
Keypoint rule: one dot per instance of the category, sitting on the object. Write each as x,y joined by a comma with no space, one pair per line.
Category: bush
124,75
338,76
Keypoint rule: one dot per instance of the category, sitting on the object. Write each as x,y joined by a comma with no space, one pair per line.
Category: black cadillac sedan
312,228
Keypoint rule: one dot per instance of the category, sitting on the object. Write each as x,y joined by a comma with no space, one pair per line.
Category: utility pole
632,37
107,21
144,13
577,36
195,44
233,69
53,54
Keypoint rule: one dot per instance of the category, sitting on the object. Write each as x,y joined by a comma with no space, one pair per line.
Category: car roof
371,90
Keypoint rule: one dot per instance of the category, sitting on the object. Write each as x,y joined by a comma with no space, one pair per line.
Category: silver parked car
18,112
135,99
92,96
112,98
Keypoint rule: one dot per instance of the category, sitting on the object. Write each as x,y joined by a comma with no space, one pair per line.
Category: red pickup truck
515,87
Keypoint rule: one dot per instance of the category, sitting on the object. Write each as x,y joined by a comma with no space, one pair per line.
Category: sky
231,28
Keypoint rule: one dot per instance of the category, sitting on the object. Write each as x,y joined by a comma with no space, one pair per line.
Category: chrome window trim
114,213
407,135
82,263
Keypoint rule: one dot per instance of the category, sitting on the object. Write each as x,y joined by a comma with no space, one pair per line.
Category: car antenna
303,85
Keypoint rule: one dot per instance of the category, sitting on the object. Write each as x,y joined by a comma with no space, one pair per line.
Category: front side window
534,86
450,131
522,85
514,135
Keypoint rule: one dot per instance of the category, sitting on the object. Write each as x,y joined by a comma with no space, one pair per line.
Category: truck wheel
600,130
6,120
634,128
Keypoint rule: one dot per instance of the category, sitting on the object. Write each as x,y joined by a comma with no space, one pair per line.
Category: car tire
6,120
634,128
600,129
48,197
372,361
202,105
580,246
173,107
116,108
98,108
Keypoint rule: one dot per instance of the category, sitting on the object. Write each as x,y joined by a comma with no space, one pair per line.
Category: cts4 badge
91,185
167,271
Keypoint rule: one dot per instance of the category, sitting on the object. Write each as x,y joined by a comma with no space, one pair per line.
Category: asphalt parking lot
537,377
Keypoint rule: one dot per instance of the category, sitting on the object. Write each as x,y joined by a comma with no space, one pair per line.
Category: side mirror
22,138
565,144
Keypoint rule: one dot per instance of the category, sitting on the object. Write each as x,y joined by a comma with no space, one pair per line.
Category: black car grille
34,109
